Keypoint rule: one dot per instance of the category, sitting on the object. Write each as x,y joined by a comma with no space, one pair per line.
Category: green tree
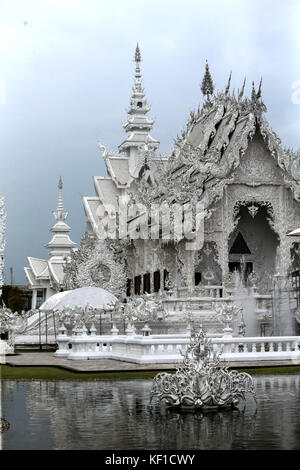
15,299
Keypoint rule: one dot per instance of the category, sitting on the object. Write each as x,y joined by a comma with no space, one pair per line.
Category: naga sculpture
202,381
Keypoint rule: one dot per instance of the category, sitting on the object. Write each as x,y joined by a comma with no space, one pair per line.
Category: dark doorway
197,278
156,281
137,285
147,287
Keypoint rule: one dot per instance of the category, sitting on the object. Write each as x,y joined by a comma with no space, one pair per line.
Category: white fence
164,349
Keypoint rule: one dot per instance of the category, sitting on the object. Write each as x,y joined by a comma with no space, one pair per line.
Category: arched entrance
253,245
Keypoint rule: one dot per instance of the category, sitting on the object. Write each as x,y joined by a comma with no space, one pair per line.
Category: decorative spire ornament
60,206
138,123
60,244
258,94
59,214
241,93
137,57
253,94
207,86
228,84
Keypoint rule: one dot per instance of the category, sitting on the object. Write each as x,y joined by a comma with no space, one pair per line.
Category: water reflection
117,415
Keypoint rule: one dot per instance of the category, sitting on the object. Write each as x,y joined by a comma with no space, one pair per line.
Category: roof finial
258,94
228,84
207,86
253,94
60,206
137,56
242,90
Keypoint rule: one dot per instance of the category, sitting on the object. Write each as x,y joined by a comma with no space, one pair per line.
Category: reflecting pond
117,415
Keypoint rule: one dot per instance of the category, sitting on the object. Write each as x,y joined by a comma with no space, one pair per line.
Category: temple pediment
257,166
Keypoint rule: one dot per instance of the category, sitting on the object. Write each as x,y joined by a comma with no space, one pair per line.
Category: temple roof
60,240
57,271
39,267
212,147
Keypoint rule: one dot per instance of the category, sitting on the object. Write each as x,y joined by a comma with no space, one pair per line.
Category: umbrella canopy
85,297
51,303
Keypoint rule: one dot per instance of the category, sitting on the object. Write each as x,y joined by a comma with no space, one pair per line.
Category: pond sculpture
202,381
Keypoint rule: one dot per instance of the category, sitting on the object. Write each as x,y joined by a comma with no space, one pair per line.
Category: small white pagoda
45,277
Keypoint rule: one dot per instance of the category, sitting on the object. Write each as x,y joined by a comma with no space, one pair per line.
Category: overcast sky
66,71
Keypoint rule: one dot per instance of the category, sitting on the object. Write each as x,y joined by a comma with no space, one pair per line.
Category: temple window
137,285
146,286
156,281
40,297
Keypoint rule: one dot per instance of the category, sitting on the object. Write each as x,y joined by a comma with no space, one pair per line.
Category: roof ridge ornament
253,93
228,84
207,85
258,94
241,93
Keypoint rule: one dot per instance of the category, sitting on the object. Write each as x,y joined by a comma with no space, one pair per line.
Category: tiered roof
61,246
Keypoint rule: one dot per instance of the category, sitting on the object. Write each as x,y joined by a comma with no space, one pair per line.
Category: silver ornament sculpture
202,381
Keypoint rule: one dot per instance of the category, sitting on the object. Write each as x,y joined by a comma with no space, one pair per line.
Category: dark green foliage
13,298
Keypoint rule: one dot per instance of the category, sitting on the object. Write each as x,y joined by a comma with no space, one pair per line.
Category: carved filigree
98,263
202,381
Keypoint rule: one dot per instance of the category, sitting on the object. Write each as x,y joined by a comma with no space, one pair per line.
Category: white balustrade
169,348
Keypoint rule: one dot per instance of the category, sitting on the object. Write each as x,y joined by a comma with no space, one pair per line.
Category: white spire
60,244
59,215
138,124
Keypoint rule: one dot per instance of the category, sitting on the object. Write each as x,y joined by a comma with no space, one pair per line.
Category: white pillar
33,300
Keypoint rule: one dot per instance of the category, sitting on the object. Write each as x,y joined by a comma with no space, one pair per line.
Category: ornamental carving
97,263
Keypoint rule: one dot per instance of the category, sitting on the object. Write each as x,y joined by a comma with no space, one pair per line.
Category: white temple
45,277
229,163
229,160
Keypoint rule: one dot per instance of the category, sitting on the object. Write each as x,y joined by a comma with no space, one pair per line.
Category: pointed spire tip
137,56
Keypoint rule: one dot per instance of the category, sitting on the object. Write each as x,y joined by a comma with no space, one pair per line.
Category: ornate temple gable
118,169
257,166
204,171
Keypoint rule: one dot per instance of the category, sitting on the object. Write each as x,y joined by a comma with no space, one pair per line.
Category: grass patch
56,373
280,370
24,351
